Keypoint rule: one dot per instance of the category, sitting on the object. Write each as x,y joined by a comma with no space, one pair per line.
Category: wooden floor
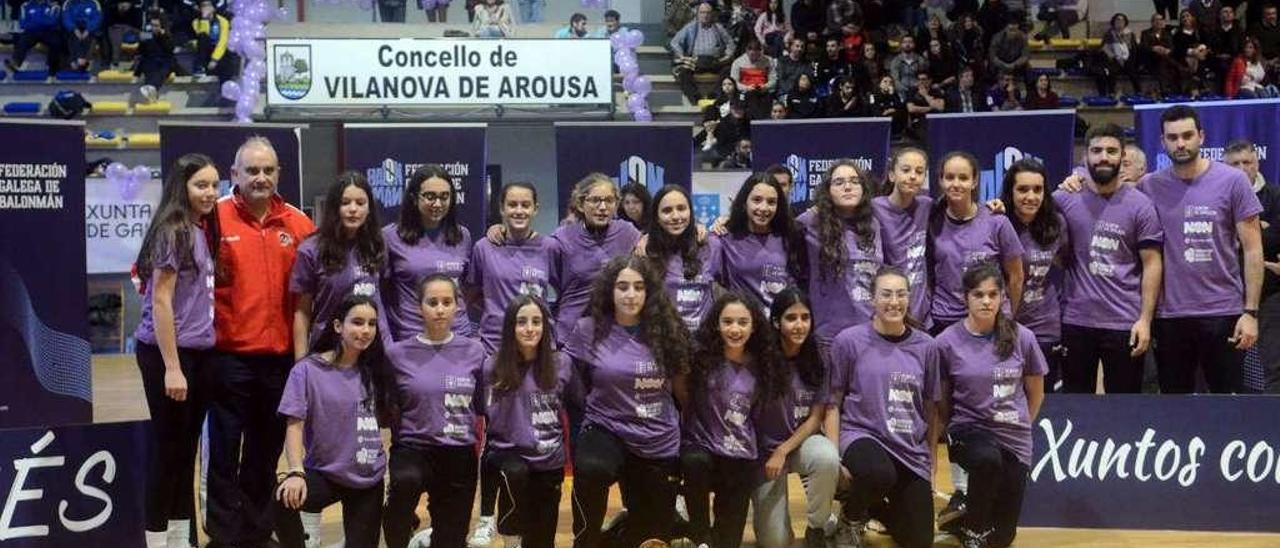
118,397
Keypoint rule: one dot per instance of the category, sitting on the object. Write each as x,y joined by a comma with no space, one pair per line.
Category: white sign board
115,225
347,72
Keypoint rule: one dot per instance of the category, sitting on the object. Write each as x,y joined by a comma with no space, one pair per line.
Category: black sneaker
949,517
815,537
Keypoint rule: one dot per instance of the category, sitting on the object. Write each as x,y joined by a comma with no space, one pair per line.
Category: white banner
115,226
350,72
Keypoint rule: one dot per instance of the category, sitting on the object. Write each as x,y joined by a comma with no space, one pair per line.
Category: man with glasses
252,315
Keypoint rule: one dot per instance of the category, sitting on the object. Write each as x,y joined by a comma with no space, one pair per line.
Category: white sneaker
482,535
511,541
179,535
157,539
149,93
682,509
310,528
421,539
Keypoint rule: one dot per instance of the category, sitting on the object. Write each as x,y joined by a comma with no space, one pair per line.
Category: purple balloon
634,38
231,90
367,5
116,172
140,174
623,55
629,81
643,116
642,85
628,65
637,103
616,41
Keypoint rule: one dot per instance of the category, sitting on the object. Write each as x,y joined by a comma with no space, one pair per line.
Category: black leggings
488,484
448,475
1086,346
648,487
732,481
361,512
176,426
997,482
1185,345
878,476
528,500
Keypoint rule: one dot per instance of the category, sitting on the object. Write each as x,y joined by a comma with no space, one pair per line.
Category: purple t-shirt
882,387
1103,288
1041,311
504,272
904,232
846,301
409,264
693,297
328,289
778,418
340,431
192,293
722,419
577,257
987,393
755,265
626,392
1201,259
961,245
439,390
527,420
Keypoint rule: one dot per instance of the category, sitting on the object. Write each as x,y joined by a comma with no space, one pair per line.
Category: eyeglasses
845,181
597,201
442,197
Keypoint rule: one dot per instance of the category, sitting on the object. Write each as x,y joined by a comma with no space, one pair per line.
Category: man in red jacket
252,314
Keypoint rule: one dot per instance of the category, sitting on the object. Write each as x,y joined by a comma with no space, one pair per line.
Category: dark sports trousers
648,488
176,426
245,437
1185,346
878,476
447,474
1269,343
528,500
1086,346
997,482
731,481
361,512
488,483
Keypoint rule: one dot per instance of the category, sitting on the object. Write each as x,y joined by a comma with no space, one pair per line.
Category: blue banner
809,147
652,154
388,154
998,139
1155,462
45,376
1257,120
221,140
75,485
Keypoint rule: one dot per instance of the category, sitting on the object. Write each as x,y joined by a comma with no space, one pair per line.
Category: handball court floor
118,397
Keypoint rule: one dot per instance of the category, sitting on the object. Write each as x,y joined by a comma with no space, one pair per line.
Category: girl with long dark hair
175,337
788,431
426,240
345,256
1044,237
525,385
992,387
735,369
761,250
631,360
438,394
884,390
903,213
332,443
690,265
637,206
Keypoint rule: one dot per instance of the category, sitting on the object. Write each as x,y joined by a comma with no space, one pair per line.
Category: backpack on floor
67,104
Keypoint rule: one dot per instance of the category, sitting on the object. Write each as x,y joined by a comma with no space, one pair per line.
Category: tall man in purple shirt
1209,212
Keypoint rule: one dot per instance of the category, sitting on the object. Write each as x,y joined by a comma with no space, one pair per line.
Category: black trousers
1187,345
684,76
528,500
997,482
53,43
1269,343
361,512
176,426
731,481
648,489
488,483
1054,355
1086,346
447,474
1170,9
245,437
878,476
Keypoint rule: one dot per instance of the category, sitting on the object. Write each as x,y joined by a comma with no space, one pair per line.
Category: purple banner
998,139
220,141
1223,121
45,376
652,154
388,154
809,147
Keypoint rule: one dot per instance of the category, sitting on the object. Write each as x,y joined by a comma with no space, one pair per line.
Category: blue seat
3,75
1133,100
1178,99
22,107
1034,73
31,75
1211,97
73,76
1067,101
1100,101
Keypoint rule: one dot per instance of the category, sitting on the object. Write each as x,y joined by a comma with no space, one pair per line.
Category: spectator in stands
741,156
845,102
1168,9
803,101
757,77
41,23
832,65
156,61
1119,51
867,71
577,28
885,101
992,17
531,10
612,24
907,65
212,30
932,30
1058,16
493,20
778,111
1247,78
1206,13
772,28
729,92
851,41
808,19
967,40
1042,96
1225,40
966,98
437,10
1009,52
1005,94
1157,47
943,68
791,66
1187,37
960,8
739,21
82,19
121,16
841,13
702,46
1267,32
731,129
923,100
1134,164
705,140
